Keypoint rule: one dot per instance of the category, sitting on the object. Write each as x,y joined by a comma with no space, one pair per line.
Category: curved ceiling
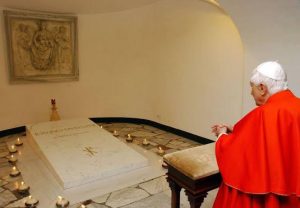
75,6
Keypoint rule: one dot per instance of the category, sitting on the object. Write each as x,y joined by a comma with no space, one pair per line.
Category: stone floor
154,193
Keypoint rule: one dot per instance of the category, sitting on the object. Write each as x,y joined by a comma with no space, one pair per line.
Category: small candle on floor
12,149
82,206
129,138
31,202
164,164
160,151
23,187
19,142
145,142
62,202
14,172
115,133
12,159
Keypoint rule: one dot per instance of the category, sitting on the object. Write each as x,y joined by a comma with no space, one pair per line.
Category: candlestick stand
54,114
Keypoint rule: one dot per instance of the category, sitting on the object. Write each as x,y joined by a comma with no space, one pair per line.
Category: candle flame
159,148
129,135
29,197
22,183
82,206
13,146
14,168
18,139
12,156
59,198
145,141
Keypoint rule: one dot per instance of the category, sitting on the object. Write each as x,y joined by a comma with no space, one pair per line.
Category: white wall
270,31
116,70
171,62
200,53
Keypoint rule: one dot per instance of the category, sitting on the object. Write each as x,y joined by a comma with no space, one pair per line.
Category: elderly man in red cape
259,158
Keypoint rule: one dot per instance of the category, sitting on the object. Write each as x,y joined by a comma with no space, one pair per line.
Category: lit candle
129,138
160,151
82,206
12,149
164,164
62,202
31,202
23,187
12,159
14,172
115,133
101,127
18,142
145,142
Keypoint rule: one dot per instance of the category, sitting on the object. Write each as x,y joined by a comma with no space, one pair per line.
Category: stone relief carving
41,47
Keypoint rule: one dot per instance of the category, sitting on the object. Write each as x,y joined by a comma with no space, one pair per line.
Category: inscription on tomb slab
78,151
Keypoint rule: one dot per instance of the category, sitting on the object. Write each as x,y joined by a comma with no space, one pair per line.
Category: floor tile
101,199
125,196
160,200
155,186
6,197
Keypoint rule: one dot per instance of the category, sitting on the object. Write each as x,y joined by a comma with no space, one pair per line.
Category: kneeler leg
175,195
195,200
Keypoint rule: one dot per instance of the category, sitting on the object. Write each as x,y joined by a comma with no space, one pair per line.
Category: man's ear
263,89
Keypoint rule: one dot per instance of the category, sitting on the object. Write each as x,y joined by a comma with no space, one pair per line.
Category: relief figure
62,41
23,40
42,48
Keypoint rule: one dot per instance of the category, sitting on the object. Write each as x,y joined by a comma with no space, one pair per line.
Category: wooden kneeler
194,170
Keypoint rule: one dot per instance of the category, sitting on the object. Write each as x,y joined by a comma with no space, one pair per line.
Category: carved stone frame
41,47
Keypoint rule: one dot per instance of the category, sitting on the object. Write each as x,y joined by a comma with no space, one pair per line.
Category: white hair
273,85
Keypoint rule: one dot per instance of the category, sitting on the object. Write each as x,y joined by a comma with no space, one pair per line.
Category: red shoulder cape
262,154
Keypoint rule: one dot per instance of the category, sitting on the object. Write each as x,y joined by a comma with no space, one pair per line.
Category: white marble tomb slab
78,151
